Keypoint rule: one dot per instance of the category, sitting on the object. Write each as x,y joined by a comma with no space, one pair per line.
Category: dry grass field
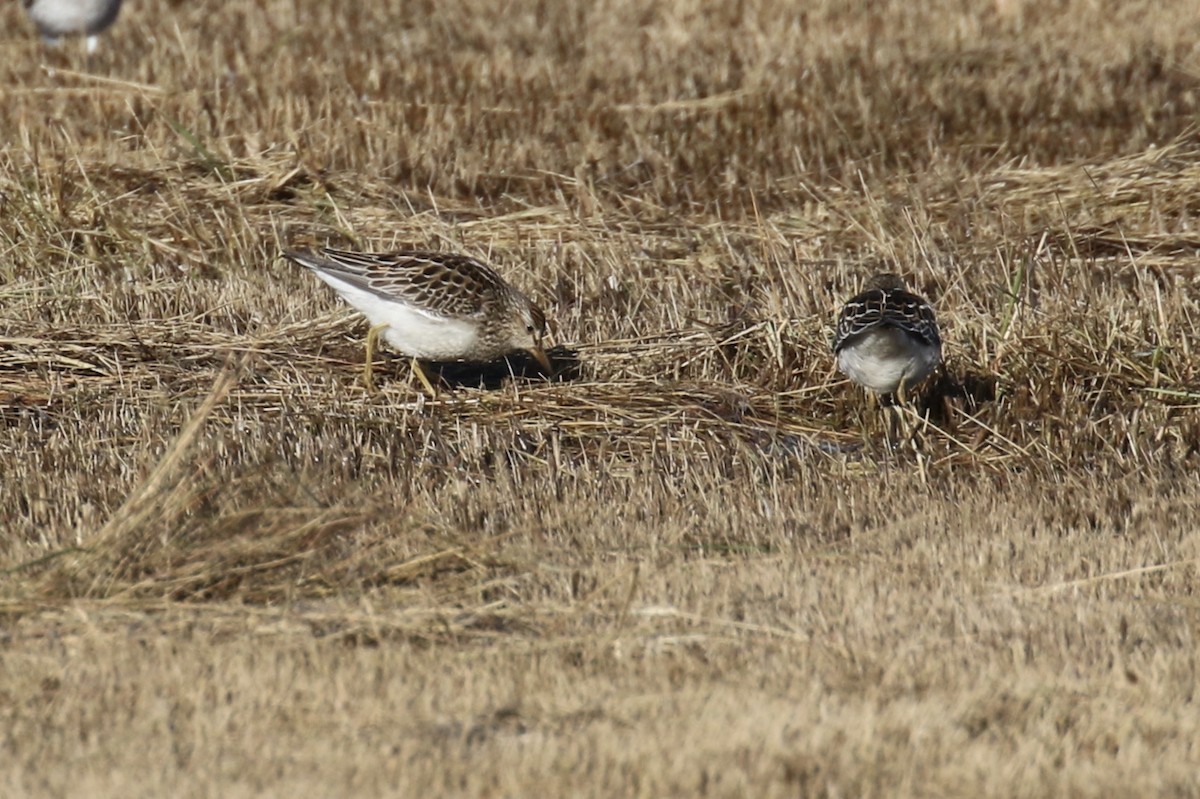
692,565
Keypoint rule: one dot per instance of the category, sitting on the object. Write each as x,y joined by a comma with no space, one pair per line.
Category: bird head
526,331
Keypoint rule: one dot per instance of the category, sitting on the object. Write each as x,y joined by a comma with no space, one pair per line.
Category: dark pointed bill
542,358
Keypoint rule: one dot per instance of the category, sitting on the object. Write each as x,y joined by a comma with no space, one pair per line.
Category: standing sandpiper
58,18
432,306
887,339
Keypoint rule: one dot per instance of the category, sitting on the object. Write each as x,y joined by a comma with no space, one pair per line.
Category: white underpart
56,18
411,331
884,357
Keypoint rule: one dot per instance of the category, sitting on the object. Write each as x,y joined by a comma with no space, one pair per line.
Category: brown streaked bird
432,306
887,338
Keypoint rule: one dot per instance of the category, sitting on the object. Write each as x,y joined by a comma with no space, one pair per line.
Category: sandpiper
432,306
58,18
887,338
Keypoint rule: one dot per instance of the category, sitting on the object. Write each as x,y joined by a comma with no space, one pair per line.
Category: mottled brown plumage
887,337
434,306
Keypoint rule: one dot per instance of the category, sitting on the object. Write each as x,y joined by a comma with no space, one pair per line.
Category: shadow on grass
969,390
491,376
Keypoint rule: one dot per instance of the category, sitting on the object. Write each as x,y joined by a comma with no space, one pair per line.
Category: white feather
409,330
884,357
63,17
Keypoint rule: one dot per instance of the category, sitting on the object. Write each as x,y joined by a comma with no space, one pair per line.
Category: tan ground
694,569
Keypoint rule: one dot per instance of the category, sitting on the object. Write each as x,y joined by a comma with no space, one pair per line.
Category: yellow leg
419,371
868,416
906,425
368,372
892,433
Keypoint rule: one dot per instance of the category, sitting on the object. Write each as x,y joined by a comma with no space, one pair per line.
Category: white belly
409,330
883,358
63,17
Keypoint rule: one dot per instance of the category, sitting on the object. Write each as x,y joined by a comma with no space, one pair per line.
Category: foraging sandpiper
887,338
433,306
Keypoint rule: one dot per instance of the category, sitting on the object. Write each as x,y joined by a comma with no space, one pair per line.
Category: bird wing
886,308
441,284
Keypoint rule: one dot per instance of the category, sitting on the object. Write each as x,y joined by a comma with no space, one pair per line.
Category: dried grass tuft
223,556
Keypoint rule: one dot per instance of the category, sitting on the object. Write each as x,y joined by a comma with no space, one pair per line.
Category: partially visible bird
433,306
58,18
887,338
